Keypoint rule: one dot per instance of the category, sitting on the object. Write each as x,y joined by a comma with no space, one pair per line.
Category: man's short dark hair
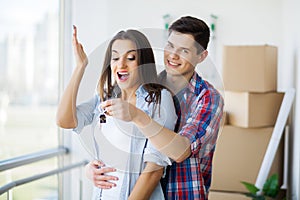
194,26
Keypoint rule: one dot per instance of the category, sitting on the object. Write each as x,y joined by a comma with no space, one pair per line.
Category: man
199,108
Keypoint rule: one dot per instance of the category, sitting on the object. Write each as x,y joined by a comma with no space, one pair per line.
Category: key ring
102,117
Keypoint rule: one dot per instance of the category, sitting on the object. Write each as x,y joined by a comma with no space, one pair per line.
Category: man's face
180,55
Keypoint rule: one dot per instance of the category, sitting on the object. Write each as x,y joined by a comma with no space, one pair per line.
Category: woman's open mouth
123,76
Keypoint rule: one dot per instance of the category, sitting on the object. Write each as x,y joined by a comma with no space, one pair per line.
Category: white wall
239,22
248,22
290,73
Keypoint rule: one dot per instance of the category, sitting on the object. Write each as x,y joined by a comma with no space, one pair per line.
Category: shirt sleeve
151,154
202,125
85,113
166,116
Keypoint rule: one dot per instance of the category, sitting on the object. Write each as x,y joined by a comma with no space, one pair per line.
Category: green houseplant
270,189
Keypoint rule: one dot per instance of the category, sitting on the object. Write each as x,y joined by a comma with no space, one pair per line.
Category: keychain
102,117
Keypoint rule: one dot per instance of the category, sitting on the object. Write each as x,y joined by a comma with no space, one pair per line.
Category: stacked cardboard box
214,195
251,105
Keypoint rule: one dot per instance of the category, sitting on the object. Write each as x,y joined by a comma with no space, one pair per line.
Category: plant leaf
271,187
260,198
255,197
250,187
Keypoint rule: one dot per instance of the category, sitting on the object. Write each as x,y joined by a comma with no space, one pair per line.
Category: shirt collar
141,91
194,86
196,83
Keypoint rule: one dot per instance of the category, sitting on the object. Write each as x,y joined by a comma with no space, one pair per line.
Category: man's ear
202,56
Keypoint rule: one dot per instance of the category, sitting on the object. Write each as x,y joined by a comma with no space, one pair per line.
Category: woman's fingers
119,108
75,41
107,107
107,103
75,31
81,58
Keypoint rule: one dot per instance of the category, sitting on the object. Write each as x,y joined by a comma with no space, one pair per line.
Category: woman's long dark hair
147,68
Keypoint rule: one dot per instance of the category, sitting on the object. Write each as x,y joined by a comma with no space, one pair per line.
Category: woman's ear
202,56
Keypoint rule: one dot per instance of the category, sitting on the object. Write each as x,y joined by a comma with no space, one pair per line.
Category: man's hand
95,171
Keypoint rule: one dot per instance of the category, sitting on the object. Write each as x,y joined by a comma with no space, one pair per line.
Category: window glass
29,65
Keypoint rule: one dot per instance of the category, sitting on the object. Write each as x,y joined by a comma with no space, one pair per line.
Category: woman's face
124,64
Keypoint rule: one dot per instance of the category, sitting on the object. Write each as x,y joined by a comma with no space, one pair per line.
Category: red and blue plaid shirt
199,109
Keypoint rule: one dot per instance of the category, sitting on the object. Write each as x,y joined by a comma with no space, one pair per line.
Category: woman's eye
115,58
131,57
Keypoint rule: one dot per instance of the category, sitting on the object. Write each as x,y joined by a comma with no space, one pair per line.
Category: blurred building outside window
29,78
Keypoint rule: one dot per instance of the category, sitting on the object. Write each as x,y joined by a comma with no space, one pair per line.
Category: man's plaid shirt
199,110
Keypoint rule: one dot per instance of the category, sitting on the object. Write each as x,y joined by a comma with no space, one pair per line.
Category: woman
129,61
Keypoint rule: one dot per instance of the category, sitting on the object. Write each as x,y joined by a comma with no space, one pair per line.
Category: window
29,65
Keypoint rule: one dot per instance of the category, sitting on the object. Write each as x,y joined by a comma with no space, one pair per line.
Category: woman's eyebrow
129,51
133,50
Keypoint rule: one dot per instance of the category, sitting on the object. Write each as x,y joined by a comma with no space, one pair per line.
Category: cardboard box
215,195
239,155
224,120
250,68
252,110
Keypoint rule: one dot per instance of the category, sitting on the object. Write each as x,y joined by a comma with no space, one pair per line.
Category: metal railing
34,157
30,158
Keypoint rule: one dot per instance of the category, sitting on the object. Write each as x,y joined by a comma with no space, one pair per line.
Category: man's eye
184,51
169,45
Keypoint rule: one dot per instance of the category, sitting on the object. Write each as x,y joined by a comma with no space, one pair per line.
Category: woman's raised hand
81,58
